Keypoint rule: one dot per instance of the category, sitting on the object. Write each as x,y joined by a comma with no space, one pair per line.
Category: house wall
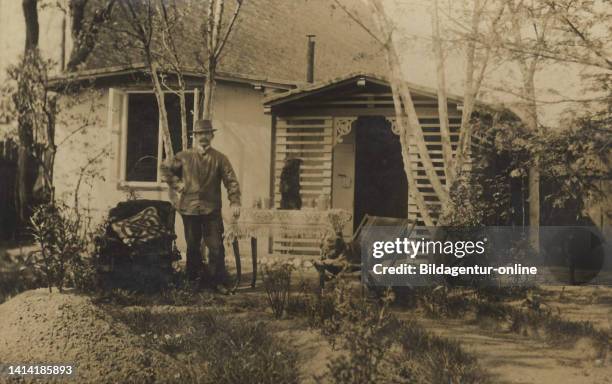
243,135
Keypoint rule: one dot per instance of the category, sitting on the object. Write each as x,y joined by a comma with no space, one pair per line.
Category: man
195,177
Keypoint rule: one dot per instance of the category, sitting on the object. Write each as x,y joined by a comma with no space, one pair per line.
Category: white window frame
157,184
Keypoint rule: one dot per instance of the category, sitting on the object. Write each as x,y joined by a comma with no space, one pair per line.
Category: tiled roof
269,41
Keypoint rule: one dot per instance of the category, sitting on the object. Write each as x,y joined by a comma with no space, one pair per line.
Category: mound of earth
42,327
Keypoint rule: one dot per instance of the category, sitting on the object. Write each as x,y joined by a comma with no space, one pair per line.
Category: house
109,145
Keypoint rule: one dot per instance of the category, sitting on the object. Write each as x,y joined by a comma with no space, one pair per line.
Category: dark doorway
381,188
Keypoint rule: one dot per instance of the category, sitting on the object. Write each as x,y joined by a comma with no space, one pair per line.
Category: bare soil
41,327
512,358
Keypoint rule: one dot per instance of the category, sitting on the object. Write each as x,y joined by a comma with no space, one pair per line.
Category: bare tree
447,154
171,58
474,75
141,29
215,38
478,53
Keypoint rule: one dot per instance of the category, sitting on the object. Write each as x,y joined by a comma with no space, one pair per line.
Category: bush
59,236
366,330
277,283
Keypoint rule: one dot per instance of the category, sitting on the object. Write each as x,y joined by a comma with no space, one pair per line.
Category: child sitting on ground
338,256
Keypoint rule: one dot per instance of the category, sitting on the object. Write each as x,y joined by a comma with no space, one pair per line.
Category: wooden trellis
310,139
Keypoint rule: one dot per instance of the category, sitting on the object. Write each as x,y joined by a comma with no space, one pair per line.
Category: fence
8,180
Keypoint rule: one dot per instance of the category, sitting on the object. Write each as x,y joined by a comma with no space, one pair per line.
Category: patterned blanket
140,228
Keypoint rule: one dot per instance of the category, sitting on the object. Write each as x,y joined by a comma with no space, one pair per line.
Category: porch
345,136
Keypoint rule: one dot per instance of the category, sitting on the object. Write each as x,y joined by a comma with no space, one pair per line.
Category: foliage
64,240
58,235
26,98
276,280
572,162
366,330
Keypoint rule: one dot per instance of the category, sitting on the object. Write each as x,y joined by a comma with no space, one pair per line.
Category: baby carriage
138,247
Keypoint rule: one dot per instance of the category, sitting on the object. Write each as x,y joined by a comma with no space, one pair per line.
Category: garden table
256,222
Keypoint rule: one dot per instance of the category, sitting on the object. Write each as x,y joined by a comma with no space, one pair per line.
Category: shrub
277,283
366,330
59,235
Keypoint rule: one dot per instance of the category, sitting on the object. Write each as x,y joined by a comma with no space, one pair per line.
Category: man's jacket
199,174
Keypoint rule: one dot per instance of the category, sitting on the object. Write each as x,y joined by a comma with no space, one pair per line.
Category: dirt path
313,350
511,358
584,303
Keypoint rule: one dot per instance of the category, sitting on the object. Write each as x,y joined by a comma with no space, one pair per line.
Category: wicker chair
143,266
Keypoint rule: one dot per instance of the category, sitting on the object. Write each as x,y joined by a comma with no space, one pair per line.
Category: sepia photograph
306,191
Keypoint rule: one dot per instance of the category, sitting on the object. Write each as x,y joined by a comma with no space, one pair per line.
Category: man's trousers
210,229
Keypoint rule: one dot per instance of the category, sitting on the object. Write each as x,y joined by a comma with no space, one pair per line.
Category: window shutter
117,103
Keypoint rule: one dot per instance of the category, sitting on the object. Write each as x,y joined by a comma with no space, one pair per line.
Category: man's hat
203,126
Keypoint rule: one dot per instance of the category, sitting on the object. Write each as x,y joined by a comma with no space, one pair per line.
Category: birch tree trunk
143,29
407,120
183,107
172,57
163,114
529,116
215,14
447,154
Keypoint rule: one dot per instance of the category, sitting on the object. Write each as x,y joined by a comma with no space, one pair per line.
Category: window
144,144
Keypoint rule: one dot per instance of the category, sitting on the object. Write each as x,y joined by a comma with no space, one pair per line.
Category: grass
438,359
214,348
378,347
556,330
489,307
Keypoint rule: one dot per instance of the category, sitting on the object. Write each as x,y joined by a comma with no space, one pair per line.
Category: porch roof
309,89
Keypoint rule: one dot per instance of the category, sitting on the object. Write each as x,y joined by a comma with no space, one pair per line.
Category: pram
138,247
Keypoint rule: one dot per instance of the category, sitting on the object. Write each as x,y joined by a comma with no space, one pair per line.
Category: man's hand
236,212
179,187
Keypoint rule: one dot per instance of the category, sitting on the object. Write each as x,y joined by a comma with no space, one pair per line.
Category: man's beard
202,147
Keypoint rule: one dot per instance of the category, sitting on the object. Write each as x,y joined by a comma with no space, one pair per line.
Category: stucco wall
244,136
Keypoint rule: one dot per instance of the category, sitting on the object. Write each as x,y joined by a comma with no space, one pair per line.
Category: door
343,180
381,188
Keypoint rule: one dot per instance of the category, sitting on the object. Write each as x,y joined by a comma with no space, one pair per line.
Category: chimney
310,59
